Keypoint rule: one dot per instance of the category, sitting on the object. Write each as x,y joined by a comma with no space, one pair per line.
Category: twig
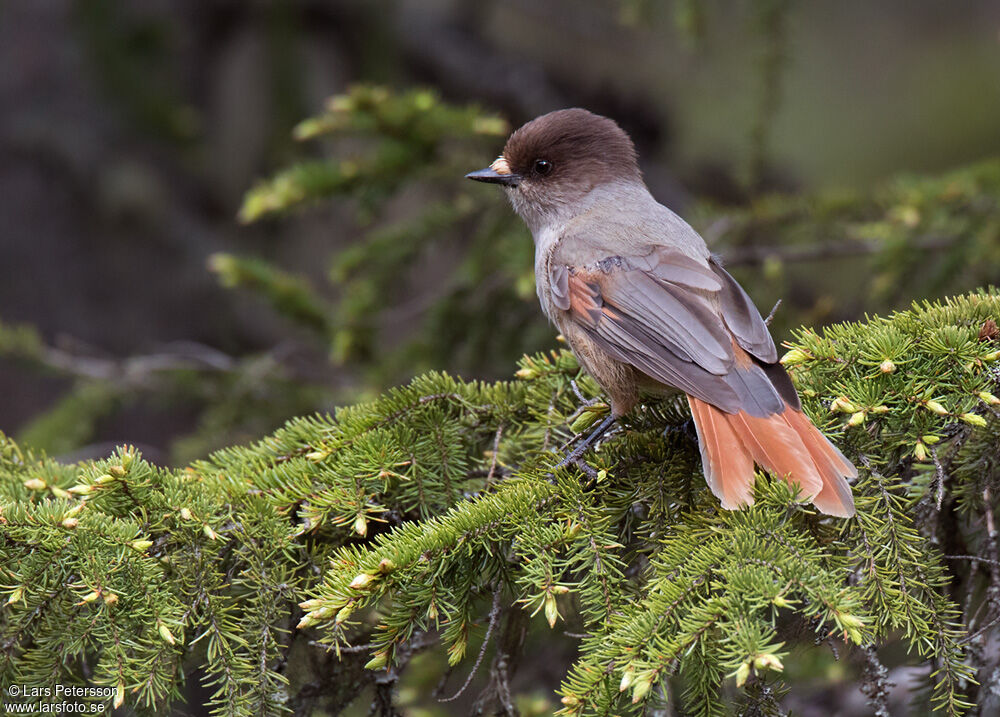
134,370
972,557
579,394
993,594
493,461
756,255
348,649
494,618
876,684
940,478
770,316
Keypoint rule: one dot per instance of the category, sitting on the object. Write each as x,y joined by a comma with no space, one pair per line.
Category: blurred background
218,214
188,259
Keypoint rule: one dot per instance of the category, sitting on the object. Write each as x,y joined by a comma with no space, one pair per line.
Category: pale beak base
492,176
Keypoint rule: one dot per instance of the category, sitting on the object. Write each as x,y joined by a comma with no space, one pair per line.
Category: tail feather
786,444
835,498
777,448
722,456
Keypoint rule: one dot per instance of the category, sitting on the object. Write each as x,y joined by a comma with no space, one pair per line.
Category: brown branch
494,619
757,255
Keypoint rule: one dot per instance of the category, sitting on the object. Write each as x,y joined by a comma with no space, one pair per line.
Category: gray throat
613,200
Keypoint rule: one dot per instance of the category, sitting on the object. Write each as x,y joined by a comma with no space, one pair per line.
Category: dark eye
542,167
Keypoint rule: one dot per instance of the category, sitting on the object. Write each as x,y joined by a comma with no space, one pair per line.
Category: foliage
432,517
839,253
455,252
913,236
236,398
444,278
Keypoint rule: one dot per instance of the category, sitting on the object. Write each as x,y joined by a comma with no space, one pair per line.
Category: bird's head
553,162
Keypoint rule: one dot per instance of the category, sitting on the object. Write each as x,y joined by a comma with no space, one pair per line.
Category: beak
492,176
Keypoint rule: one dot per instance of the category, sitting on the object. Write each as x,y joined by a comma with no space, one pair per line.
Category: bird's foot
576,455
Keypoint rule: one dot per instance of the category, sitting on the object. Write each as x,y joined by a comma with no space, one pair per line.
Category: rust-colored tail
786,444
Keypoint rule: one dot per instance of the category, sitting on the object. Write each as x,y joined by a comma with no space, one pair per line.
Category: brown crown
576,142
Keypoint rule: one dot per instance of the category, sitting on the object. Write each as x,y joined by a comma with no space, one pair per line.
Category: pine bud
324,613
852,627
110,598
584,421
551,609
795,356
641,687
305,622
119,696
989,398
35,484
361,525
842,405
75,510
308,605
104,479
142,545
879,409
848,620
15,596
386,566
973,419
70,523
559,589
627,677
165,633
780,601
768,661
343,614
91,596
117,471
570,700
526,373
316,456
920,451
361,581
930,439
380,660
60,493
856,419
185,514
992,356
936,407
209,533
742,674
82,489
887,366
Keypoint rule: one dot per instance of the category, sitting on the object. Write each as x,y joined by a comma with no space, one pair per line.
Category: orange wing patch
584,298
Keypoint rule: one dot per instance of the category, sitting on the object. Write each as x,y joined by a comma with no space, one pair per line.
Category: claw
576,454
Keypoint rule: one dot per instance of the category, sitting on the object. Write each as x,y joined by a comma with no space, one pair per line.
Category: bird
647,308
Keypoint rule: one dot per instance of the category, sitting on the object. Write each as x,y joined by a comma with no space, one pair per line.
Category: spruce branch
394,522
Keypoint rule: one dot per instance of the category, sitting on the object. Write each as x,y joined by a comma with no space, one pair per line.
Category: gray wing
681,322
742,317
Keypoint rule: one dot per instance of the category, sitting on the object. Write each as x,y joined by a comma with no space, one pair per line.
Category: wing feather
663,314
743,318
